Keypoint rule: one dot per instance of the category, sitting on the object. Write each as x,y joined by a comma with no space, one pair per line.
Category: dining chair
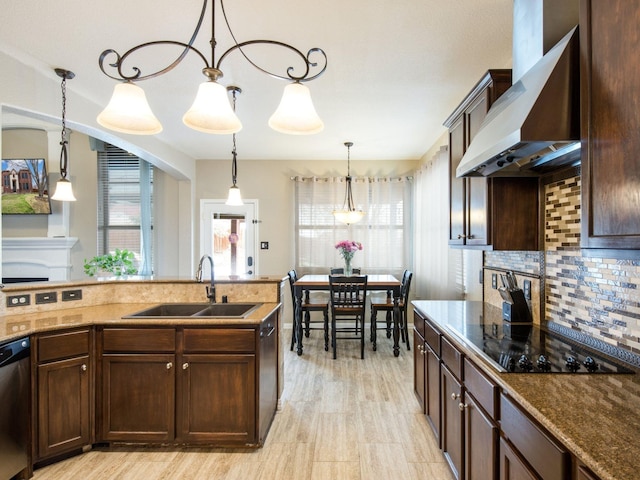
385,304
348,300
307,307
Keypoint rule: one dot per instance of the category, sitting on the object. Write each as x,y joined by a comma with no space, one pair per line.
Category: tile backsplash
596,297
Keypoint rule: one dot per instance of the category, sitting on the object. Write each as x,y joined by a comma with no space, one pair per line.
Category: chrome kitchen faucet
211,290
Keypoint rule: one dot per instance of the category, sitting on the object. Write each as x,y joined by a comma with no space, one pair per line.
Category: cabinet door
419,376
480,442
457,193
138,397
512,467
477,204
217,401
452,422
432,391
64,406
610,145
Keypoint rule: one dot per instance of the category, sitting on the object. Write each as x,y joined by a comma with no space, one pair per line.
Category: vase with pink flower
347,249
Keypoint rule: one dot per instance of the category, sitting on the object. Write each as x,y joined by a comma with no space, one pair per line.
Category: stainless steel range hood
535,125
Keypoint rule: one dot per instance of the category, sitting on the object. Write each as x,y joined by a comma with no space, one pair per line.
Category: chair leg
374,333
389,324
405,328
325,314
293,336
362,339
333,335
307,321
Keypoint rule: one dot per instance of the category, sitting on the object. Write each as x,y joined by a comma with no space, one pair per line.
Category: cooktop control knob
572,364
591,364
543,363
525,364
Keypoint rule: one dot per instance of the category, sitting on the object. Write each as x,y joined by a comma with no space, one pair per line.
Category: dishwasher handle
14,351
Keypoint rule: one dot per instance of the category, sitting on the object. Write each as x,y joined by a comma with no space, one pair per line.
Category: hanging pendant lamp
349,214
234,198
64,191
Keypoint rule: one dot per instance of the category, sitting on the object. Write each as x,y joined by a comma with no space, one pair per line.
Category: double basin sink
197,310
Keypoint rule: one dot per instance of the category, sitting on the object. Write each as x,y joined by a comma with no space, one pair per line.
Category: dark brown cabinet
63,396
452,421
499,213
610,145
512,466
419,362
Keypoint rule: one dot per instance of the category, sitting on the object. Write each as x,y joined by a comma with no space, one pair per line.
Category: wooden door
480,442
419,371
217,399
138,397
512,467
452,422
457,192
432,391
64,406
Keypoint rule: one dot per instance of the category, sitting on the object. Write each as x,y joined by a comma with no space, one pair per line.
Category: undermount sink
200,310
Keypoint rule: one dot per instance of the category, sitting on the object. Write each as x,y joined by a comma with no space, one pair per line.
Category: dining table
375,282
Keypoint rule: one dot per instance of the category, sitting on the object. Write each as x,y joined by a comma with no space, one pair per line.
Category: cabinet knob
470,236
462,406
169,366
461,236
83,367
455,396
421,350
185,365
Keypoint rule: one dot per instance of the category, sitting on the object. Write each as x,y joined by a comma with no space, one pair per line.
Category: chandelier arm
118,63
305,77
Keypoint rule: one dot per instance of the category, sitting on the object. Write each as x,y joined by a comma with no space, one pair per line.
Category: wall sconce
64,191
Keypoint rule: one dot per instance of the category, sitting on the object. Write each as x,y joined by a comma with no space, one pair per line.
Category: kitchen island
593,418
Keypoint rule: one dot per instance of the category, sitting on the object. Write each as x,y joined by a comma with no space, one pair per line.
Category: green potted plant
118,263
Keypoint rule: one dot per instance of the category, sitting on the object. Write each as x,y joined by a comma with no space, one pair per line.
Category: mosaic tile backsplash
598,297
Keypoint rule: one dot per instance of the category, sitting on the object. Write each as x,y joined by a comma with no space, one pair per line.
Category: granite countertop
20,325
597,417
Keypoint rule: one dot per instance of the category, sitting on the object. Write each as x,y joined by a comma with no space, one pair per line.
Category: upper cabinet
610,92
499,213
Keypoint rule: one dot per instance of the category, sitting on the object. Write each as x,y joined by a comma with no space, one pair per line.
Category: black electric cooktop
526,348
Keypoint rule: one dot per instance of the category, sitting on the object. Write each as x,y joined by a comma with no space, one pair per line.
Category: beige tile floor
343,419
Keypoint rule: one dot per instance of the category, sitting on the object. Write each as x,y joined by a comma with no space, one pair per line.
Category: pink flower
348,247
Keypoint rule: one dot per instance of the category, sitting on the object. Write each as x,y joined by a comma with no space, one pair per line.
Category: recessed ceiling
396,69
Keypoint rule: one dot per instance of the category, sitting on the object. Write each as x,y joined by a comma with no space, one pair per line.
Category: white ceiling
396,69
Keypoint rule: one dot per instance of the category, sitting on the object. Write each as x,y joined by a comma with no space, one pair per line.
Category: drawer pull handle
455,396
169,366
83,367
185,365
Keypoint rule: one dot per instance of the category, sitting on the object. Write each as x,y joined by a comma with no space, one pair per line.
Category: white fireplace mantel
37,257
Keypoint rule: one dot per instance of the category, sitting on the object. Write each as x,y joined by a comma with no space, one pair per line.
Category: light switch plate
264,245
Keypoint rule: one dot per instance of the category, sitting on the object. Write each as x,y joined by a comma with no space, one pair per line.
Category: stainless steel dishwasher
14,407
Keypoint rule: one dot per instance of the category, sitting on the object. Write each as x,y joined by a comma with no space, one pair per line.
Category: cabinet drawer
483,390
549,459
63,345
139,340
201,340
451,357
432,337
418,324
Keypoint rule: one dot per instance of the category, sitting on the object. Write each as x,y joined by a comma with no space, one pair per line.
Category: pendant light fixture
64,192
129,112
348,214
234,197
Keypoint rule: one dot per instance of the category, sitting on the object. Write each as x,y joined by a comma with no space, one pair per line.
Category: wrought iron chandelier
64,190
211,112
234,197
349,214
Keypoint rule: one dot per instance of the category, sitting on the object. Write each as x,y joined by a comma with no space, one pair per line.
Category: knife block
517,310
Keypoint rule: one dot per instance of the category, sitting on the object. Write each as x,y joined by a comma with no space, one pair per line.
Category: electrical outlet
527,289
18,300
68,295
49,297
494,281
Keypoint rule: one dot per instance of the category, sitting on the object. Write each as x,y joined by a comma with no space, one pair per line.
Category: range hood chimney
535,125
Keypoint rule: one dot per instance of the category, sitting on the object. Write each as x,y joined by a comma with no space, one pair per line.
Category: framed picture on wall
25,187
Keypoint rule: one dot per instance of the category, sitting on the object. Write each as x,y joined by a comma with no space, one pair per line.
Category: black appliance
14,407
527,348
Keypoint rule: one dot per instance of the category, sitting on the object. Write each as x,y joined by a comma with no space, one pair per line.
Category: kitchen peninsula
101,375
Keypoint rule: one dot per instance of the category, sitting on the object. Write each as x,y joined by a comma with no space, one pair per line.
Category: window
384,231
125,205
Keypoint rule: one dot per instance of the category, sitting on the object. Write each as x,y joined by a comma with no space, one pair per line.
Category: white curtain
439,269
385,231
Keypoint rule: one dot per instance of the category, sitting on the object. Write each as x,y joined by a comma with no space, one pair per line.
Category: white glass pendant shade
296,114
128,112
348,216
234,197
64,191
211,111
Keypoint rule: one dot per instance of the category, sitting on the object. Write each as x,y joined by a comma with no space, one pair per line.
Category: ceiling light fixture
348,214
129,112
64,191
234,197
